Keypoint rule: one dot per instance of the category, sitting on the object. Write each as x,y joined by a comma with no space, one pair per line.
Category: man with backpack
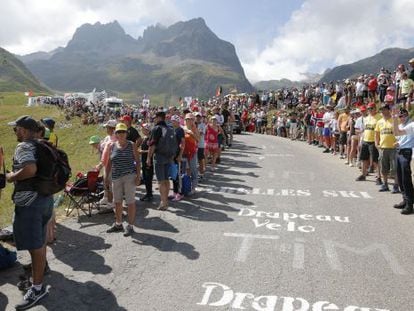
163,145
32,209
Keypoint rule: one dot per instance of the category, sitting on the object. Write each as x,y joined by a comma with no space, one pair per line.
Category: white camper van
113,103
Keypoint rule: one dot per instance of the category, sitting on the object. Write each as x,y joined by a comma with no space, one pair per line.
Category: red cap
363,108
126,118
372,105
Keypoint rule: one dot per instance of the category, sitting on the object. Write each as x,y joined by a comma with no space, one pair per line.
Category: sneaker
395,189
400,205
128,230
178,197
346,162
115,228
361,178
378,181
351,164
384,188
172,196
146,198
31,297
327,150
25,285
407,210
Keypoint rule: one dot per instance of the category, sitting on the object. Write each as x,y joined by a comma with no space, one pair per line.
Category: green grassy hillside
73,138
14,76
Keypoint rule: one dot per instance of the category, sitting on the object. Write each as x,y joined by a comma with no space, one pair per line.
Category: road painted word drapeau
220,295
263,219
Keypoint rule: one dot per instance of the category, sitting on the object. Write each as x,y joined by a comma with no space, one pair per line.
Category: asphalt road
280,226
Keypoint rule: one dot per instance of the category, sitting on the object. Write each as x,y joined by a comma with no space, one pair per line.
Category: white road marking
247,241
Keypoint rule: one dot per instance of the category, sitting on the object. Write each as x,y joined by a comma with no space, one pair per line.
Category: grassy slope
73,140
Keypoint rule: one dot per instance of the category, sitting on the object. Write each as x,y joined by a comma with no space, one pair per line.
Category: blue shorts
162,171
30,223
326,132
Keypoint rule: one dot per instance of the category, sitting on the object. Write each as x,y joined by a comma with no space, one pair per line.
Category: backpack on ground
53,169
7,258
167,145
185,184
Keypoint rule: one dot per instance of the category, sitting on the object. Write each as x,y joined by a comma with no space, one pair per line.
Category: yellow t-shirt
386,130
369,128
407,86
53,139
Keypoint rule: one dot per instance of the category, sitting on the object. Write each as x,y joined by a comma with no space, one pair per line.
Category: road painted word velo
350,194
265,220
220,295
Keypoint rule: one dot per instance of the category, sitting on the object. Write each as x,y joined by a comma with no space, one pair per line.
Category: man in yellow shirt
385,142
368,149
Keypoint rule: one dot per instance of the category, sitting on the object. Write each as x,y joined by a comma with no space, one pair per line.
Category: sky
274,39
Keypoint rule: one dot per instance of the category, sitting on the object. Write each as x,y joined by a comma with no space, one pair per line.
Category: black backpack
167,145
53,169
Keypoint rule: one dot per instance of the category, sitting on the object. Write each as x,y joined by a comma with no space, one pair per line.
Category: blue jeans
192,163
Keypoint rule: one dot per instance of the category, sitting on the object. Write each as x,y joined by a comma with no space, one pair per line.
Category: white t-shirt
359,124
327,118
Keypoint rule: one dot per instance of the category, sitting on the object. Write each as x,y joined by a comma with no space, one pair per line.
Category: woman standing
211,141
125,166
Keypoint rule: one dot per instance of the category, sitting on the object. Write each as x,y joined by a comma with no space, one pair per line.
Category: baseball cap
121,127
49,122
363,108
26,122
411,61
371,105
175,118
126,118
110,123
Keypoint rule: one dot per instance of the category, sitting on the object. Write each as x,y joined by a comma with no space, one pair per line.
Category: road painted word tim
336,253
220,295
288,225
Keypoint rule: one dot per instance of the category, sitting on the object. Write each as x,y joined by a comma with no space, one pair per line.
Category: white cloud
28,26
329,33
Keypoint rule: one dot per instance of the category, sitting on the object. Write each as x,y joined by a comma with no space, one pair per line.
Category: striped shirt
123,161
24,154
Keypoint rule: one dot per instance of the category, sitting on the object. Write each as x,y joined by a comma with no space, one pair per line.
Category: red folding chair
85,193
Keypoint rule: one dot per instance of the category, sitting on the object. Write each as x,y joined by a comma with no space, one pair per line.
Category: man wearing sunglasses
32,210
404,129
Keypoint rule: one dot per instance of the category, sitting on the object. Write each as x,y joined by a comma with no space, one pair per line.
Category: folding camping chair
85,193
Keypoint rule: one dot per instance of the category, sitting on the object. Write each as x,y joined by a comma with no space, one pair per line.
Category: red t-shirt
372,84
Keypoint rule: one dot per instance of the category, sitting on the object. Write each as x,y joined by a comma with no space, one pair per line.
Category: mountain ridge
163,60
